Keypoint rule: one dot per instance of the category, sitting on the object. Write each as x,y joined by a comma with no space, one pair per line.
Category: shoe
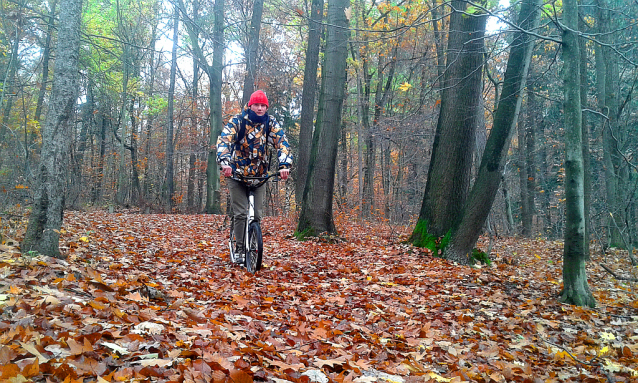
239,256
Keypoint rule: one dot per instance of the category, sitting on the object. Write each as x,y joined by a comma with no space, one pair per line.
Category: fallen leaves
154,298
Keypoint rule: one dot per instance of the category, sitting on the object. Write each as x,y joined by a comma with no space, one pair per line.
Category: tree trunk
46,217
45,60
316,213
308,92
526,165
96,195
509,216
530,149
213,203
575,287
252,51
169,187
152,67
192,171
585,133
135,175
343,167
7,94
607,88
491,169
452,155
214,72
122,191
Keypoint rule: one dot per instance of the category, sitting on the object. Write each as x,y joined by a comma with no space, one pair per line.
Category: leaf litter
154,298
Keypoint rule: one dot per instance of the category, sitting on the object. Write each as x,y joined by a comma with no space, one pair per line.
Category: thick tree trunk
308,92
252,49
575,287
46,216
490,172
316,212
451,163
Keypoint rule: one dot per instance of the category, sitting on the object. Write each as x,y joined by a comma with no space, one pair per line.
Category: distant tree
214,72
169,186
316,210
46,216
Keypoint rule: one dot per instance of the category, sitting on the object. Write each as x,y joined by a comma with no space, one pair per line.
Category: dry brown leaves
154,298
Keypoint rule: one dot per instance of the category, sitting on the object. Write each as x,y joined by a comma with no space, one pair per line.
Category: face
259,109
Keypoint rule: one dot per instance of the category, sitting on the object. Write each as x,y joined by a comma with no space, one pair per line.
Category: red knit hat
259,97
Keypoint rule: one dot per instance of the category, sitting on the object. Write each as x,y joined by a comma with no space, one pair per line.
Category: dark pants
239,205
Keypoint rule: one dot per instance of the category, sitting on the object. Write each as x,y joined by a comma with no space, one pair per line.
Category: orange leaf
330,362
32,369
15,290
134,296
97,305
239,376
7,354
9,371
77,348
123,375
286,366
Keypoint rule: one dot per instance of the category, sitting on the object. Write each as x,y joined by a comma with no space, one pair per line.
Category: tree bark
214,72
169,187
575,287
45,60
7,94
316,213
585,132
192,171
309,89
46,216
252,51
526,165
491,169
152,67
607,88
452,155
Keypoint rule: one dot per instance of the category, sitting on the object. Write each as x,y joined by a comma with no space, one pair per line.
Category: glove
227,171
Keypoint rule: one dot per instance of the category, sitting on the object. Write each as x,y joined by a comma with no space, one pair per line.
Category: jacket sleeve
226,140
277,138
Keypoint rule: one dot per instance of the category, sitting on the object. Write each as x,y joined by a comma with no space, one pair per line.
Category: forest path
144,296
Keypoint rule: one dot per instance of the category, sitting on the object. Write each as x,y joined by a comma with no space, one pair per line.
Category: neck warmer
256,119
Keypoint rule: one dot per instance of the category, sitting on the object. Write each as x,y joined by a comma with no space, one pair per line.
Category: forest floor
155,298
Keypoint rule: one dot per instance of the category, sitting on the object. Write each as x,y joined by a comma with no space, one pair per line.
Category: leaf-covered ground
154,298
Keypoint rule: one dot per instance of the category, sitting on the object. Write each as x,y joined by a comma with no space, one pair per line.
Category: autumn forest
456,164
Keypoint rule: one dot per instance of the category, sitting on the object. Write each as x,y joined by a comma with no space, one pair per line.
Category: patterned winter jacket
250,156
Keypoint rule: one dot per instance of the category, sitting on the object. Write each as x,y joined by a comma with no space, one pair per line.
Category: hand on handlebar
283,174
227,171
